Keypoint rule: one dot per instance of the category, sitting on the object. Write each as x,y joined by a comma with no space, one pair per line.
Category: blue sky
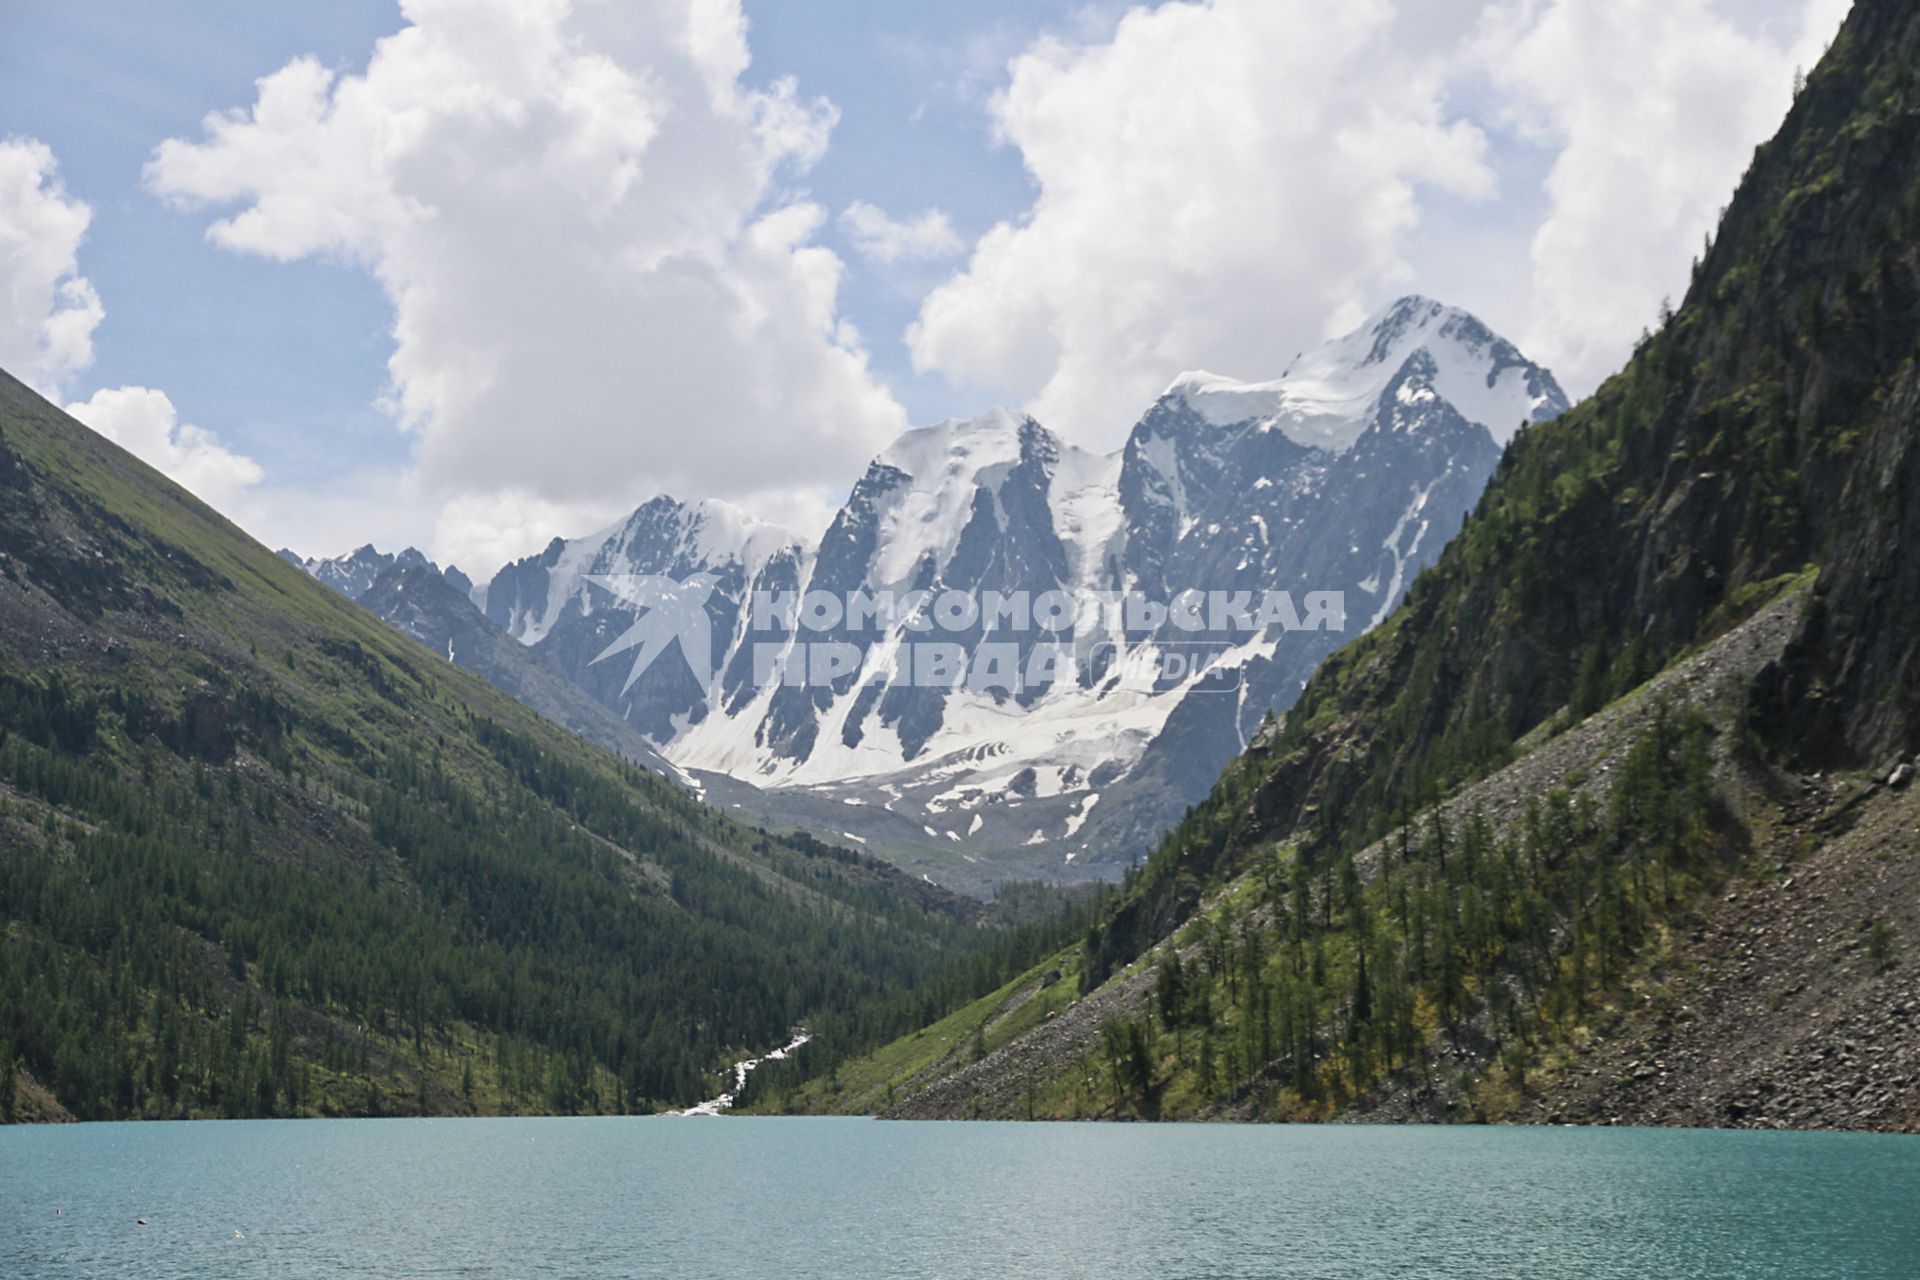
288,359
1200,185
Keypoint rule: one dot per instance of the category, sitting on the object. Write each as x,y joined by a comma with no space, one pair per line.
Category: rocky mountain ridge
1344,476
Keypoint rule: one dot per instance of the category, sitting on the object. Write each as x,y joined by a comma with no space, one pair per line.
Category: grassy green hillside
261,854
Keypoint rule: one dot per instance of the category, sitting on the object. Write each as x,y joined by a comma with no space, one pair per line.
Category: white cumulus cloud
144,423
877,235
48,310
1221,183
601,284
1218,183
1654,108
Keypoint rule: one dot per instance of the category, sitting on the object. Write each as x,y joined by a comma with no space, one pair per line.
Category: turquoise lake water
865,1198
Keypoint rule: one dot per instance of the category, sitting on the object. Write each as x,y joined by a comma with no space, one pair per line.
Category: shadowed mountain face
263,854
428,605
435,607
1344,476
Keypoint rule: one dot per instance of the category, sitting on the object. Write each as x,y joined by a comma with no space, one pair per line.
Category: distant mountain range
354,574
1346,474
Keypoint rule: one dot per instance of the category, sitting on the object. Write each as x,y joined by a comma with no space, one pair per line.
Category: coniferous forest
1322,982
264,856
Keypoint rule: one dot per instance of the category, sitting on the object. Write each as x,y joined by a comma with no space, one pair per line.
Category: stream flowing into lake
714,1106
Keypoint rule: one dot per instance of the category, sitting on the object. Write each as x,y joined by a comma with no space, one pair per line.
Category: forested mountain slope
260,854
1413,898
428,606
1768,425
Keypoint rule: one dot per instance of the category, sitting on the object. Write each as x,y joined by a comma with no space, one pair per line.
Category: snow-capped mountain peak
925,490
923,486
707,532
663,535
960,443
1324,399
1340,479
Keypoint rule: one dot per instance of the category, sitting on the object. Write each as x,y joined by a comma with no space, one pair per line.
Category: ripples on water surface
861,1198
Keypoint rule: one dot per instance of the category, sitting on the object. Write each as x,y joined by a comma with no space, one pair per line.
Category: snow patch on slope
944,465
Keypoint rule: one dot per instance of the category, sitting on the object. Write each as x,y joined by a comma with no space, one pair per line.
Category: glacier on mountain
1347,473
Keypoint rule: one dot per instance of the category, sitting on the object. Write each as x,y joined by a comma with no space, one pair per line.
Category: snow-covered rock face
1346,474
555,603
991,506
